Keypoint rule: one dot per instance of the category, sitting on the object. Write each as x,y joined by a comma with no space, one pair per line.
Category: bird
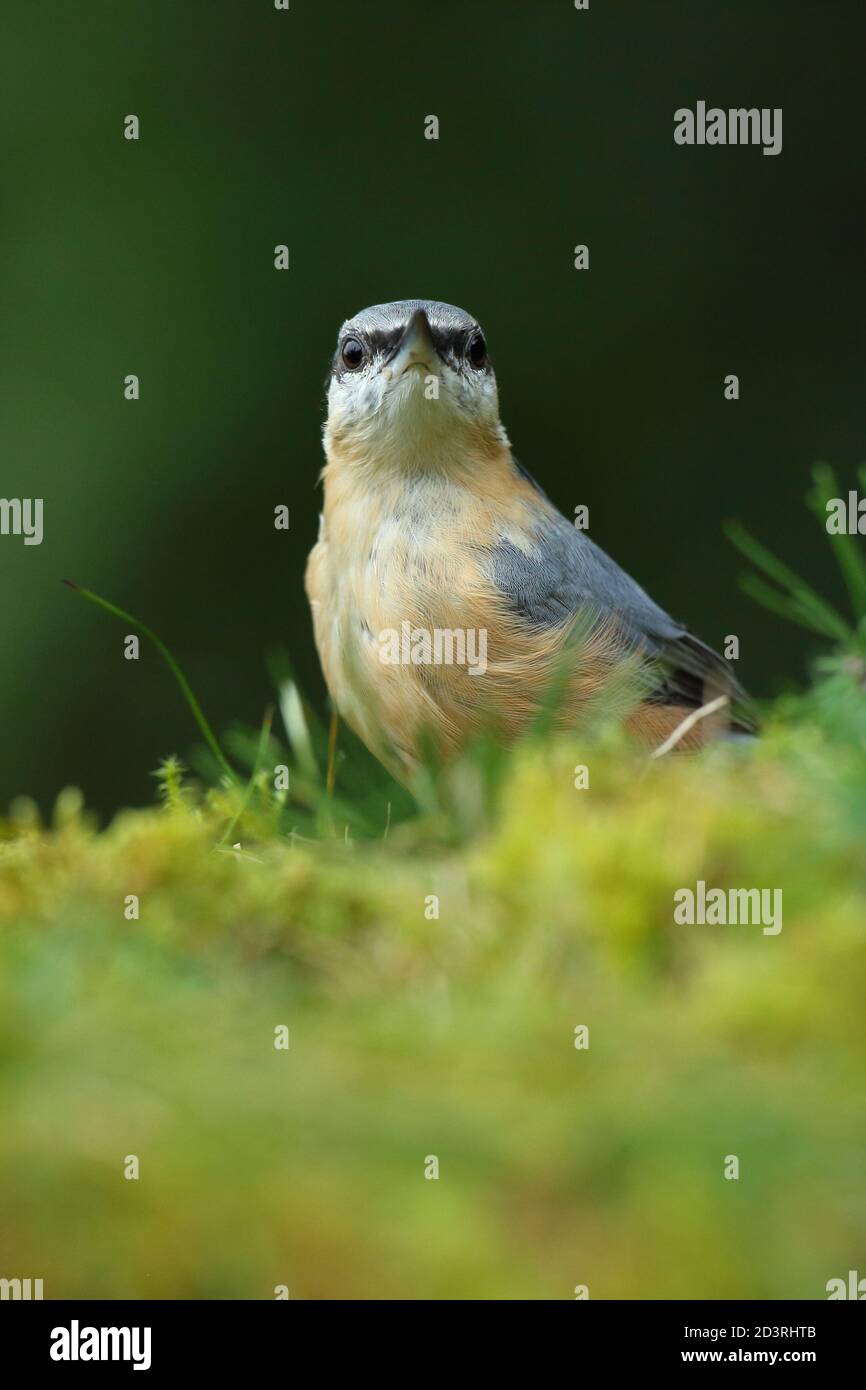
449,595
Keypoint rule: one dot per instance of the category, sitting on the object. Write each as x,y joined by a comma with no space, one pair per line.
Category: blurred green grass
453,1036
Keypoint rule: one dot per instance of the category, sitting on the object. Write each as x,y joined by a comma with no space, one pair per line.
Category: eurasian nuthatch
449,595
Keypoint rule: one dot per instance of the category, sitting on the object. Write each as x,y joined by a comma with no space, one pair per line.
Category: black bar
230,1338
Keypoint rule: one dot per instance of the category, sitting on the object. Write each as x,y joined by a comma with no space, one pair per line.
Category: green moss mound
413,1036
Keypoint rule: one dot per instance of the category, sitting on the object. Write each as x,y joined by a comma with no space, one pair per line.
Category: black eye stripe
454,345
384,340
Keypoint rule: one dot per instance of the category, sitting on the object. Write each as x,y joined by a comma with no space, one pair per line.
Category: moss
452,1036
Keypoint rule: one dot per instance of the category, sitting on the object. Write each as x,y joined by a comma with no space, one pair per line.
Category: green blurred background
260,127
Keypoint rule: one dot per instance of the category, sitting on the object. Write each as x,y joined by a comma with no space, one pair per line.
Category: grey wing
567,574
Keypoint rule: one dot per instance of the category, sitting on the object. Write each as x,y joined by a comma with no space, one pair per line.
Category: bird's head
412,386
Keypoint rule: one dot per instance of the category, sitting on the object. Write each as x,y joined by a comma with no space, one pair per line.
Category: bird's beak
415,348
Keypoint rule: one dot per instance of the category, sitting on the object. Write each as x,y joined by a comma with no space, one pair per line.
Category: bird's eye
352,353
477,350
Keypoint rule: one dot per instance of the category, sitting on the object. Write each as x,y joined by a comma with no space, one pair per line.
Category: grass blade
195,708
849,553
264,736
804,604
